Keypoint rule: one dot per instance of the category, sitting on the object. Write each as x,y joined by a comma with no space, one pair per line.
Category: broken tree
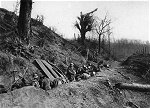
85,23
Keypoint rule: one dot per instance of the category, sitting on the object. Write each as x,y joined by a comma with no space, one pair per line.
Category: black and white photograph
74,54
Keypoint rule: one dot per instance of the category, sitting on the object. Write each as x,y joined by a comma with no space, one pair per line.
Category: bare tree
102,28
85,23
24,21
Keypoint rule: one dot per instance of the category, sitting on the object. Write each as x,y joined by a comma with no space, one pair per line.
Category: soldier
100,65
83,73
82,70
55,83
31,49
46,83
36,81
79,73
71,73
91,70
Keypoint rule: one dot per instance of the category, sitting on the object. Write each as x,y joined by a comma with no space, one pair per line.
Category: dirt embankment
96,92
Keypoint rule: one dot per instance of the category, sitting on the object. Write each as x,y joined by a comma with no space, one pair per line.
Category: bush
139,64
5,63
14,67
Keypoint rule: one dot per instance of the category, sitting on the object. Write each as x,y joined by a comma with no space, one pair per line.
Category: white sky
130,18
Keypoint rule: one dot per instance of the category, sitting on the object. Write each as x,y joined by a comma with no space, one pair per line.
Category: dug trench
96,92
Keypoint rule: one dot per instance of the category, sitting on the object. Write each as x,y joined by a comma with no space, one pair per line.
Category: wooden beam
50,68
44,69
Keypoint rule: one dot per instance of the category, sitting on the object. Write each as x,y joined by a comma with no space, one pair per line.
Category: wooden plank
58,70
45,70
50,68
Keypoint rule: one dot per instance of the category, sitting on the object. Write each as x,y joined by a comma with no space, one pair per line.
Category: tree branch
107,30
77,26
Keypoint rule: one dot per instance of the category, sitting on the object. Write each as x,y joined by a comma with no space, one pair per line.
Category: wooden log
134,86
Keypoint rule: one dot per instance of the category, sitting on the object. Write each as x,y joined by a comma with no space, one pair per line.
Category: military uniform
46,83
100,65
83,74
71,73
36,81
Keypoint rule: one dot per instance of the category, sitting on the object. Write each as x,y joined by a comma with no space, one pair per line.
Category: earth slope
96,92
92,93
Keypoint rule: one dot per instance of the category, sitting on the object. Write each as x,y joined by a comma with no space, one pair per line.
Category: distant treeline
117,49
123,48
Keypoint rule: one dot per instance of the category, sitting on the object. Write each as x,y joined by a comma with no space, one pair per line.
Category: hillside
96,92
47,42
47,45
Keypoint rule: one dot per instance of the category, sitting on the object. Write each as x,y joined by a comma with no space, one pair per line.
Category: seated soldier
46,83
78,74
82,70
100,65
90,69
55,83
83,73
21,82
71,73
36,80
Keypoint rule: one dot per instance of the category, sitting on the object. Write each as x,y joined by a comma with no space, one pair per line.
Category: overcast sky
130,19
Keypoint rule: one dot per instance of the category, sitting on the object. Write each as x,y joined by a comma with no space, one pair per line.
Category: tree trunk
99,47
109,46
133,86
83,38
24,21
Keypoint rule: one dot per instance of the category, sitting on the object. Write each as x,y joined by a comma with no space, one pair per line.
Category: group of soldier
38,81
72,74
85,71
